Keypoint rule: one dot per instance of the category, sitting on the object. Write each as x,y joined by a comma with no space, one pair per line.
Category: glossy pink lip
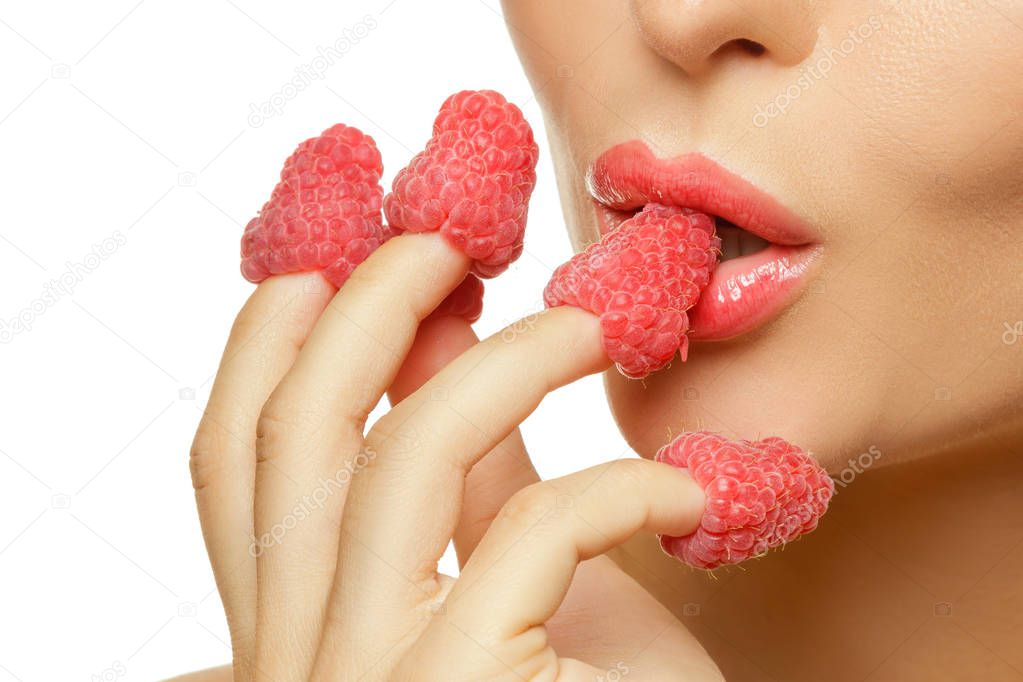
744,292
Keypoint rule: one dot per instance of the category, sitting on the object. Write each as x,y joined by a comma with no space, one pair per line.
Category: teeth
736,242
729,243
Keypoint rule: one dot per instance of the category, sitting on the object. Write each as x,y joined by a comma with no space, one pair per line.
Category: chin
772,382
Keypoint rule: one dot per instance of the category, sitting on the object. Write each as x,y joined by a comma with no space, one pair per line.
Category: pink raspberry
759,495
324,214
640,279
466,301
472,182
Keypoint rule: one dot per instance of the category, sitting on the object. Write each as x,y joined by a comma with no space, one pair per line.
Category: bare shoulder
221,674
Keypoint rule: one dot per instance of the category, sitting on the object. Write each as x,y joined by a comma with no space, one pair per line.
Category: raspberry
324,214
466,301
640,279
759,495
472,182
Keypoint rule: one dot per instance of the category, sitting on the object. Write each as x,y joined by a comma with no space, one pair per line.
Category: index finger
502,471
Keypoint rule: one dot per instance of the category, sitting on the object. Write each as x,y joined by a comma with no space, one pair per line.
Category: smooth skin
346,587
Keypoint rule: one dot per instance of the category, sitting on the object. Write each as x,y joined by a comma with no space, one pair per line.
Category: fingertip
303,288
686,502
430,248
582,338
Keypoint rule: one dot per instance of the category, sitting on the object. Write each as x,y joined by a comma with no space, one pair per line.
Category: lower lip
744,293
747,292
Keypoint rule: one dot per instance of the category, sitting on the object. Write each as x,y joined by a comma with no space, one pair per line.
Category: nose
694,34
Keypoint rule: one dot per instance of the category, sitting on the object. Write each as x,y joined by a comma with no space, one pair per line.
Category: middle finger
405,506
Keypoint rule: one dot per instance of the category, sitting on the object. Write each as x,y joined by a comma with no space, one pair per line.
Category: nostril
699,36
743,45
754,48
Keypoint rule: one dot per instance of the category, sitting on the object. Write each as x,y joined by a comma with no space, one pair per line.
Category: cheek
928,104
555,38
930,262
944,79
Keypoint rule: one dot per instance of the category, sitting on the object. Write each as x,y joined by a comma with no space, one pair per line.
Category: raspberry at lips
640,280
760,495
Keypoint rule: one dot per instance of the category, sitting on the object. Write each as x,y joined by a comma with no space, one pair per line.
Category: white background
130,121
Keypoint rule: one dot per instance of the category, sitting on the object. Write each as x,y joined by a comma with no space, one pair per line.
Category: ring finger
309,439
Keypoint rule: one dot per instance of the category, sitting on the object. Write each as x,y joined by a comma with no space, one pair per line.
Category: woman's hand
325,540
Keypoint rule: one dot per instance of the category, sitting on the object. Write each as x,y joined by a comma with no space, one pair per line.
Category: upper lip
628,176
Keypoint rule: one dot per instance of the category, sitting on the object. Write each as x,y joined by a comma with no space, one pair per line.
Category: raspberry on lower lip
472,182
759,495
640,279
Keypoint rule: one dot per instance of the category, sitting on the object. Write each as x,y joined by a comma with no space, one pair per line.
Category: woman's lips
744,292
748,291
